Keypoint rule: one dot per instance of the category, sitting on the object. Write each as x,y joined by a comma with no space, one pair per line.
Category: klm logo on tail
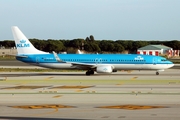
23,44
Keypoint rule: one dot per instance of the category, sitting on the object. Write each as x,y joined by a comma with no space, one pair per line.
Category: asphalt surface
137,95
12,63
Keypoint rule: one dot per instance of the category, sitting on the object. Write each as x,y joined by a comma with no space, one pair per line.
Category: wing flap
83,65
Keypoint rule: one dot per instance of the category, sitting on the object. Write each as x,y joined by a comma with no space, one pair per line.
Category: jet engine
104,69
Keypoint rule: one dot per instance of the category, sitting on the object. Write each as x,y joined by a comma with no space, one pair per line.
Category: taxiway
136,95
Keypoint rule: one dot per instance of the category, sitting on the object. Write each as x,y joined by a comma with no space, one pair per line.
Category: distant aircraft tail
23,45
79,52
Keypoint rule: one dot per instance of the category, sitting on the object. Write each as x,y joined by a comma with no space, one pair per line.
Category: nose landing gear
157,72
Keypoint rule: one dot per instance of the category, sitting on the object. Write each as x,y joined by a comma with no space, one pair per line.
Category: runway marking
132,107
54,106
134,78
57,96
48,78
71,87
48,106
79,90
25,87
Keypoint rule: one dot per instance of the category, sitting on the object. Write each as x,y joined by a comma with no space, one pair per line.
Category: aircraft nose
171,64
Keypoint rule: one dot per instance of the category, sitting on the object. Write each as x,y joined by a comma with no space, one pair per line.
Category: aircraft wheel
87,73
157,73
92,72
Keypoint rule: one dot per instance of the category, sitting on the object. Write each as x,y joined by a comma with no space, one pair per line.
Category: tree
39,44
91,38
118,47
106,45
127,44
174,44
87,39
91,47
138,44
8,44
76,43
54,45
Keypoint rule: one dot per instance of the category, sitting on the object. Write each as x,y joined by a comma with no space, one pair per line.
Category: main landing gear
157,73
90,72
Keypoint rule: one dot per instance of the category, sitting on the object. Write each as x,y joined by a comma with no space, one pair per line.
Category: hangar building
154,50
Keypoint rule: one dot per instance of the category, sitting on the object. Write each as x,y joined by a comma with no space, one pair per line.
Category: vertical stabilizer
23,45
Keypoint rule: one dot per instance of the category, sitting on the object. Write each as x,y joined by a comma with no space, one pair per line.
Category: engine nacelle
104,69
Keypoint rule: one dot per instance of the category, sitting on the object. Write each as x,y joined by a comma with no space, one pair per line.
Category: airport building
6,51
158,50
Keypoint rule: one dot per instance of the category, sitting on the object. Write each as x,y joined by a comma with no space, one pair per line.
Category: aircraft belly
57,65
160,66
141,66
130,66
115,66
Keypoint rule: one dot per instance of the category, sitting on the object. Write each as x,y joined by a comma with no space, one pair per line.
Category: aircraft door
154,61
37,60
143,66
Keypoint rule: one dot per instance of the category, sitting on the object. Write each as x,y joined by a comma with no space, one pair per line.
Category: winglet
56,57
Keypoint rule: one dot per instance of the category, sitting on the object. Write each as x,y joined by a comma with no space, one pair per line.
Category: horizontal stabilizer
21,56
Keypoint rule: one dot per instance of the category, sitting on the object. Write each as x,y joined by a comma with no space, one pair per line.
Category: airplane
99,63
79,51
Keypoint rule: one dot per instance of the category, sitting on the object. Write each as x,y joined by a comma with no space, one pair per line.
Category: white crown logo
22,41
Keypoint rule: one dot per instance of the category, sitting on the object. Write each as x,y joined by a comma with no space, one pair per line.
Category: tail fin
79,52
23,45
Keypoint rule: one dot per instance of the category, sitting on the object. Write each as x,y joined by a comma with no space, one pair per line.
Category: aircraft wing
76,64
83,65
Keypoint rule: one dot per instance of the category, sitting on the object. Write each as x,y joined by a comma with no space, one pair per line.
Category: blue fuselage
119,61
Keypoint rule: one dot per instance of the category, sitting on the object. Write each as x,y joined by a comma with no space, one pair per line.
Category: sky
104,19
